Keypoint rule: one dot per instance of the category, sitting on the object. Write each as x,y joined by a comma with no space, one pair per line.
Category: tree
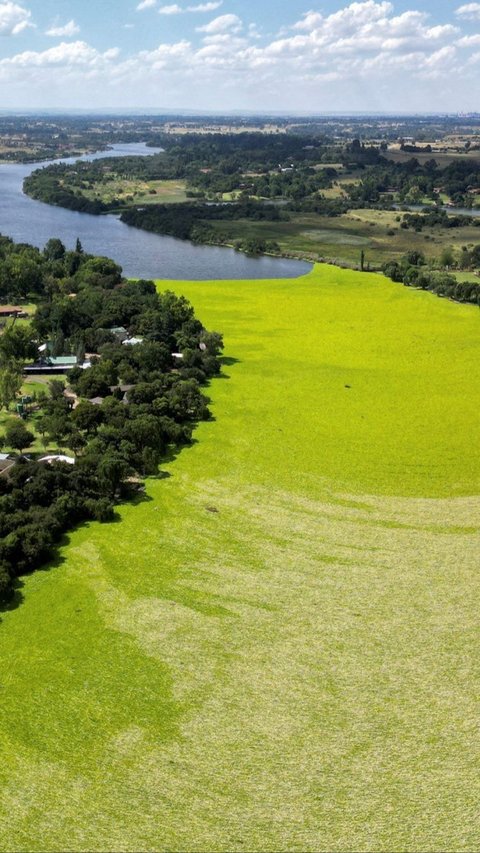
54,250
447,257
56,388
18,436
5,581
58,345
16,344
76,441
10,384
112,471
87,417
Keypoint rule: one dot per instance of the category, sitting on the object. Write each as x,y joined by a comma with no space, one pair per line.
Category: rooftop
69,460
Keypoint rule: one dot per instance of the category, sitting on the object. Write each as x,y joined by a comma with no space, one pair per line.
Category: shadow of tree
130,497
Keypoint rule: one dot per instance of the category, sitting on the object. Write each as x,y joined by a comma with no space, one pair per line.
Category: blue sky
256,55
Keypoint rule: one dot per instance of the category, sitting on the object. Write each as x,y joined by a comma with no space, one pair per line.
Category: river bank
139,253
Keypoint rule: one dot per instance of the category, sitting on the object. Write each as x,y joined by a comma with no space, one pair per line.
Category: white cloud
76,53
309,22
66,31
206,7
173,9
146,4
346,59
471,11
13,19
222,24
469,41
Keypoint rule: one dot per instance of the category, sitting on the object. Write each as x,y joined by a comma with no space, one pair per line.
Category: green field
279,649
342,238
142,192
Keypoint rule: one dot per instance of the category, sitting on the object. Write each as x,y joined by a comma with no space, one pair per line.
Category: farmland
278,647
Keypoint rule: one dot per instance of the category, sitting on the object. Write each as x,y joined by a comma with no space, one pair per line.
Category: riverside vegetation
293,194
146,401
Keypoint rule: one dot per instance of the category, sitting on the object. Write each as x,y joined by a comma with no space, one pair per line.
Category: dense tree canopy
145,399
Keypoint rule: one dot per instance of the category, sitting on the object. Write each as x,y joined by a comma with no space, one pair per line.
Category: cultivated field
279,649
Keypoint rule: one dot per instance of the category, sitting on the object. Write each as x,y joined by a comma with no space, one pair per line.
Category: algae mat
280,649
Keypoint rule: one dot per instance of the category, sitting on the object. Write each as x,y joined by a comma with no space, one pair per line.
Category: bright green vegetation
278,650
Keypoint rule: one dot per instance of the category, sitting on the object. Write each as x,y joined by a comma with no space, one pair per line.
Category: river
142,255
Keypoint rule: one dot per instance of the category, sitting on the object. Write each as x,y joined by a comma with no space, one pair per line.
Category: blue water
142,255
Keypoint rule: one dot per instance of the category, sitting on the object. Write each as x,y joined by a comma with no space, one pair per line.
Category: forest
120,417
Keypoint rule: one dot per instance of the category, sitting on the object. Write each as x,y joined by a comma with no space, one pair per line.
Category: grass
342,238
142,192
443,159
298,670
29,388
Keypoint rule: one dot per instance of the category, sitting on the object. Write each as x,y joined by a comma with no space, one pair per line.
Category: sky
294,56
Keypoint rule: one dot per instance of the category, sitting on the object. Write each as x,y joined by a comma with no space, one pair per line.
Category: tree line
147,399
413,271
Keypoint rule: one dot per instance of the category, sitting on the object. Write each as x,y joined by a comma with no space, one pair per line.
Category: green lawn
279,650
29,388
142,192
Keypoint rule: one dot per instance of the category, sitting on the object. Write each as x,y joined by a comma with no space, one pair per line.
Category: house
120,332
49,460
53,365
96,401
132,342
10,311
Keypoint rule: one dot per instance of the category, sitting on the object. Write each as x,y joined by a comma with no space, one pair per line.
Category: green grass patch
141,192
297,670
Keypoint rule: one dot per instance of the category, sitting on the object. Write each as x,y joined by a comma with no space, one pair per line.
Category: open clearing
142,192
279,650
378,232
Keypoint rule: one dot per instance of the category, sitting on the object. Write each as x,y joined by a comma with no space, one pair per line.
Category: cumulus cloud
76,53
222,24
66,31
173,9
13,19
470,11
328,60
146,4
469,41
206,7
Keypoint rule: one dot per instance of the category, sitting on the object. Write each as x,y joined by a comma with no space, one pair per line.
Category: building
11,311
133,342
57,457
120,333
53,365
